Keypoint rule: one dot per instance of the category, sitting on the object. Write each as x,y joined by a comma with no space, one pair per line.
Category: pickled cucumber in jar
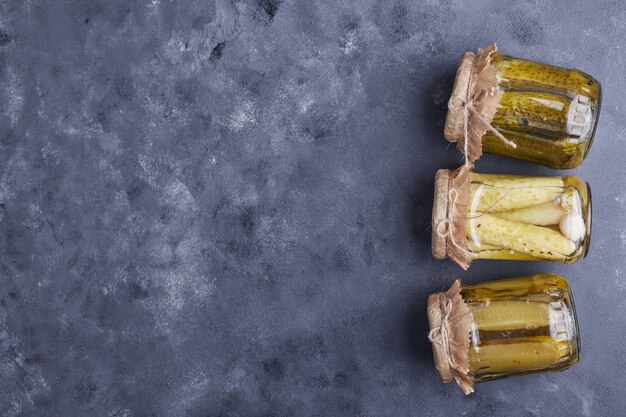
528,218
522,109
487,216
503,328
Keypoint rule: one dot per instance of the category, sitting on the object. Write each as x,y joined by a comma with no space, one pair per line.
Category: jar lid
434,321
455,119
473,102
440,213
452,194
450,320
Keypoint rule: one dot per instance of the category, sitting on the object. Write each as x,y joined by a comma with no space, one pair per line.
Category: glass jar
511,217
549,113
511,327
528,218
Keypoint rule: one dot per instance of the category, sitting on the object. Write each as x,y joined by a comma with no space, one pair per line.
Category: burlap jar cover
452,195
450,320
473,103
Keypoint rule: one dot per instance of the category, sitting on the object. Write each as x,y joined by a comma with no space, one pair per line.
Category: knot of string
440,334
445,228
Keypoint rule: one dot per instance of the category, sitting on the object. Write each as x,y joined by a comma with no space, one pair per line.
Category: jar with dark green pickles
504,328
523,109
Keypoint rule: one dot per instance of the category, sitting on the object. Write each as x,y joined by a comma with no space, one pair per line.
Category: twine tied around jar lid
452,195
473,104
450,319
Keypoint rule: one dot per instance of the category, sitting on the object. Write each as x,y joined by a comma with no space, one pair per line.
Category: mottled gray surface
223,209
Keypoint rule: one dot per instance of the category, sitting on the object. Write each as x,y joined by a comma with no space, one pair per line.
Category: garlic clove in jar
570,201
572,226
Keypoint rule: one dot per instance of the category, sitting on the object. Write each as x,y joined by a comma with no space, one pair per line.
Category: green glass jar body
549,112
521,326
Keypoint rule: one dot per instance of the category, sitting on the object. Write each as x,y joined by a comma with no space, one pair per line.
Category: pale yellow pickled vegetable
546,214
525,182
512,315
481,177
513,194
472,247
544,353
501,254
537,241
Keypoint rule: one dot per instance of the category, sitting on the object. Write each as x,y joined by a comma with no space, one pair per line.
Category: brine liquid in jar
514,327
528,218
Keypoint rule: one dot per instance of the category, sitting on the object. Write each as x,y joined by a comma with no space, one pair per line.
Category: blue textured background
222,209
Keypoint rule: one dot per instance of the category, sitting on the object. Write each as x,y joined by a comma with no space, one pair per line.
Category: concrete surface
222,208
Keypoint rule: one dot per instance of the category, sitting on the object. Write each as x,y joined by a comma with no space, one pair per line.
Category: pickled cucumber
531,147
529,111
540,354
524,182
481,253
540,242
546,214
541,284
523,75
510,315
472,247
512,194
480,177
